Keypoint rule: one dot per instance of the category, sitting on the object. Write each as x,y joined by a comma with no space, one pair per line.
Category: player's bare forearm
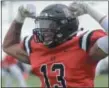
11,42
12,39
13,35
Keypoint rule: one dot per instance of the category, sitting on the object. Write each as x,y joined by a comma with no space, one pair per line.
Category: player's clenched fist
24,11
78,8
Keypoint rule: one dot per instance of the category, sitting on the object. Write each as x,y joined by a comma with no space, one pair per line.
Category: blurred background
8,12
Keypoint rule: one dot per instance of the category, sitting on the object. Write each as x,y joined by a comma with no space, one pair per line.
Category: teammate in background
11,70
59,57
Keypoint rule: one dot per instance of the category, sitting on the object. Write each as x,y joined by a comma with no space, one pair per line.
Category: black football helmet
55,25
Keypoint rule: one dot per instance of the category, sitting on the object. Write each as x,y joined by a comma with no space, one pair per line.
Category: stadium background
9,10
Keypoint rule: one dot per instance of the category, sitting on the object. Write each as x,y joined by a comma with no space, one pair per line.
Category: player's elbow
6,49
5,46
7,43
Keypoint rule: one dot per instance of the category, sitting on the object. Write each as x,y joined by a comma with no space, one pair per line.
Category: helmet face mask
47,30
53,26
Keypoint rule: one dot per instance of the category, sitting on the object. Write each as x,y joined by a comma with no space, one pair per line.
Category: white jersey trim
27,44
85,39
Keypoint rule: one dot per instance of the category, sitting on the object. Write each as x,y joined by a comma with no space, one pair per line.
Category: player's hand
78,8
24,11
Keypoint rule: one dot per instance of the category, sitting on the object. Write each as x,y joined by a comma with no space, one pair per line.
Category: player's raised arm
99,49
80,8
11,44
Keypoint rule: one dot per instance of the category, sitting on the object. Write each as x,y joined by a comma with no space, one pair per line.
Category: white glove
78,8
24,11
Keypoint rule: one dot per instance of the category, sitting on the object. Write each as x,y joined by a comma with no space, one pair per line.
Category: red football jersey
9,60
67,65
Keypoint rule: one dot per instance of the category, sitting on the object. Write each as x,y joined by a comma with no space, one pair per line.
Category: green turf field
101,81
33,81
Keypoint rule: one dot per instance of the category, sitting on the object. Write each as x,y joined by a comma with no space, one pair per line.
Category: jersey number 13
60,76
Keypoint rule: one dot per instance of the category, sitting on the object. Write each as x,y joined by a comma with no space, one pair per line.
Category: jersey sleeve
25,44
90,38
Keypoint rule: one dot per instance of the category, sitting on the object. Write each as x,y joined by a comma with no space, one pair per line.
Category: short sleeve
89,38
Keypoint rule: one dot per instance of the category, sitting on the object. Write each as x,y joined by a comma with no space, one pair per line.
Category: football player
11,70
57,56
